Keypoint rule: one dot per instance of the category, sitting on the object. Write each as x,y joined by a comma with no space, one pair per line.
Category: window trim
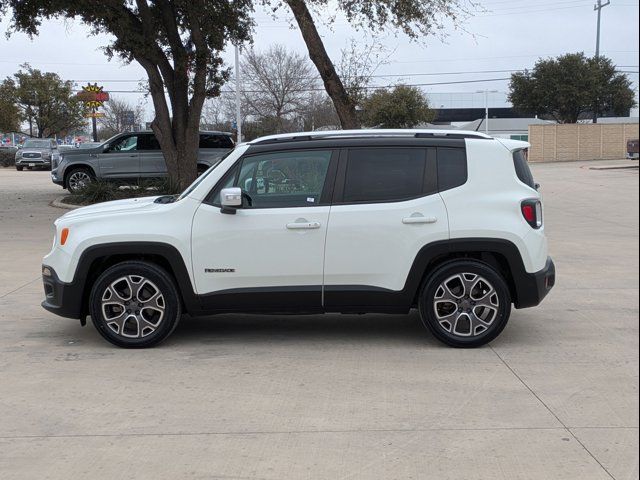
429,180
325,195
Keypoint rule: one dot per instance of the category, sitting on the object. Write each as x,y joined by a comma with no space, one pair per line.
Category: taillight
532,212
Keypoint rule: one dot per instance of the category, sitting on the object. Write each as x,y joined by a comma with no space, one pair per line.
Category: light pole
238,93
598,7
486,108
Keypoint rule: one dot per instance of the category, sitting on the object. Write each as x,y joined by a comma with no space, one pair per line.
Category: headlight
19,154
46,155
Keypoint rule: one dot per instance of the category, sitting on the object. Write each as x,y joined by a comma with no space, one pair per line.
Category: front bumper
33,162
63,299
531,288
57,178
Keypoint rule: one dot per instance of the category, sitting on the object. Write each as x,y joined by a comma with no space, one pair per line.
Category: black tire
470,323
82,172
19,169
128,329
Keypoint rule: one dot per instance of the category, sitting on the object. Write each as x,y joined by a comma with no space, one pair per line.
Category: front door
120,158
270,254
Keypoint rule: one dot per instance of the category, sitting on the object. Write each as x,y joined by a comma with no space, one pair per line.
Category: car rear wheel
79,178
135,304
465,303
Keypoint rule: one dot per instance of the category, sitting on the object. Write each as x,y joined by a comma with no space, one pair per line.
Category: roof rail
371,133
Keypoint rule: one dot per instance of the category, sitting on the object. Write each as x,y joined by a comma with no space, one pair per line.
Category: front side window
280,180
384,174
124,144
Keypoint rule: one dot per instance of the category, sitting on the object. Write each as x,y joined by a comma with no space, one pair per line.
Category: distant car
36,153
128,157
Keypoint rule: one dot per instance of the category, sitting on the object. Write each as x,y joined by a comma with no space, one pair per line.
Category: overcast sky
510,35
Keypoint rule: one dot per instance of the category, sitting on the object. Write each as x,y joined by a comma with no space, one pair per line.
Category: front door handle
418,218
303,225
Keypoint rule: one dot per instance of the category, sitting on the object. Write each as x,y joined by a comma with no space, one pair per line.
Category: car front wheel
465,303
78,179
135,304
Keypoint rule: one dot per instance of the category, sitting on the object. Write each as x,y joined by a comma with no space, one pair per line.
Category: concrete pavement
265,397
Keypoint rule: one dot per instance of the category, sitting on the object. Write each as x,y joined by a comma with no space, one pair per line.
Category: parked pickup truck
128,157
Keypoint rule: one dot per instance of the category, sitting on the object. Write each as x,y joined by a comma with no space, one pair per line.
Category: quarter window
452,168
384,174
148,142
279,180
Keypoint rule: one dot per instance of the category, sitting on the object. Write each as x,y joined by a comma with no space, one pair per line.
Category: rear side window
384,174
452,168
209,140
148,142
522,168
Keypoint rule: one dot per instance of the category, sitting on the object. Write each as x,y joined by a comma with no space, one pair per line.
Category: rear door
386,208
120,159
152,163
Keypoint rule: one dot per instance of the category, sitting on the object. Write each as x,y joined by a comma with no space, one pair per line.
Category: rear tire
465,303
135,304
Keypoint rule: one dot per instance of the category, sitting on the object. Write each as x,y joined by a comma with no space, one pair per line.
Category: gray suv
36,153
129,157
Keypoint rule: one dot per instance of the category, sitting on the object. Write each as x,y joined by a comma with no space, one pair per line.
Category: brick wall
571,142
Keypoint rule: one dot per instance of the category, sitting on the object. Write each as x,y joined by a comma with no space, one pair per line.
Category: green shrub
103,191
7,157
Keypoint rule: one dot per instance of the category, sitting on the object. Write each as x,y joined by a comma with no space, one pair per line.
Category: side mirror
230,199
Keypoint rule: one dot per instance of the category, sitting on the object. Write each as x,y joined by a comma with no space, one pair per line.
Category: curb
616,167
58,203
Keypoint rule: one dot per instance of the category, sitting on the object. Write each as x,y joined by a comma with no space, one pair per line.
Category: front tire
465,303
79,178
135,304
19,169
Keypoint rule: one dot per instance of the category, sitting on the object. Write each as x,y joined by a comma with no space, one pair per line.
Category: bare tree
119,116
277,83
358,64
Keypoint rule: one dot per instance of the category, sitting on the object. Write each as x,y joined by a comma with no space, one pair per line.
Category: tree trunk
345,107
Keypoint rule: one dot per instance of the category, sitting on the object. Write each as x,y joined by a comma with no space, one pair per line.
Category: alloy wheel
132,306
78,181
466,304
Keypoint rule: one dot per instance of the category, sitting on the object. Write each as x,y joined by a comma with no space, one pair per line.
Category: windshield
32,143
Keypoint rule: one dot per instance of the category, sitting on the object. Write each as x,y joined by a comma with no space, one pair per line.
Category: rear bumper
63,299
531,288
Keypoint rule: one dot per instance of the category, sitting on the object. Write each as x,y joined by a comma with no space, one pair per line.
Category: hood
81,151
35,150
116,206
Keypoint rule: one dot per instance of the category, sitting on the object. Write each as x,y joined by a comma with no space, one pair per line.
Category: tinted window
284,179
522,168
148,142
452,168
208,140
384,174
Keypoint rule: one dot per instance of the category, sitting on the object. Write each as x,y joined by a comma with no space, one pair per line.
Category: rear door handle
418,218
303,225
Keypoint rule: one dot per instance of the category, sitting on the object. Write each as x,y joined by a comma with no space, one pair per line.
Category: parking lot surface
334,397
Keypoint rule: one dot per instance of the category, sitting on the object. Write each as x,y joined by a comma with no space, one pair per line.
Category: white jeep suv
381,221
